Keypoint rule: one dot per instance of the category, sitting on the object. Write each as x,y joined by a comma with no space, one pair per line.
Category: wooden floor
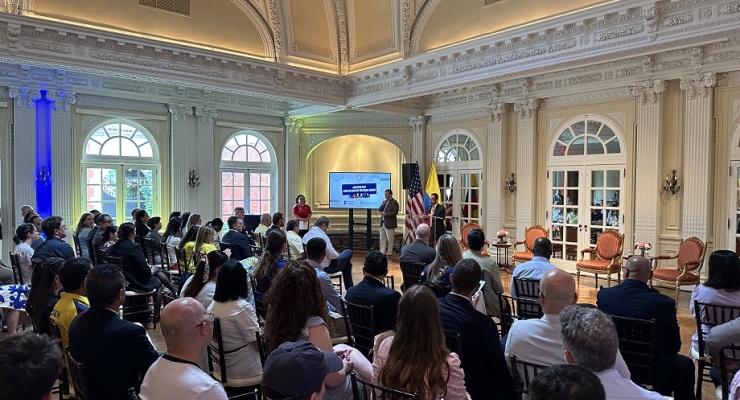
586,293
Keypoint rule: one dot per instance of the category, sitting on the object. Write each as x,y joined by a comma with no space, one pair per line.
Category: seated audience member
115,352
44,294
419,251
133,214
25,210
315,252
36,221
55,230
590,341
722,286
298,370
25,235
297,311
72,302
171,239
82,230
566,382
154,224
239,324
673,372
491,276
237,241
265,222
438,272
104,221
13,299
538,340
109,237
414,357
140,276
28,375
187,330
334,261
193,220
239,213
141,218
719,337
295,242
188,240
537,266
202,284
278,221
218,225
372,292
485,367
184,219
203,244
271,260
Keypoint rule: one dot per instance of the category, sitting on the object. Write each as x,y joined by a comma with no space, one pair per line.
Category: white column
208,191
24,147
295,176
526,163
181,136
697,160
495,163
648,149
61,162
418,140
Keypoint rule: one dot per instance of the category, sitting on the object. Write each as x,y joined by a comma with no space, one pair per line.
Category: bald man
419,250
674,373
187,329
538,340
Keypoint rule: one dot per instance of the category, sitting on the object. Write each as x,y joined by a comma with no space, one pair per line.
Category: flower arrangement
643,247
501,234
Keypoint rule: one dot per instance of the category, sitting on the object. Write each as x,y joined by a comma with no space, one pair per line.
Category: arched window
586,138
120,167
458,147
247,174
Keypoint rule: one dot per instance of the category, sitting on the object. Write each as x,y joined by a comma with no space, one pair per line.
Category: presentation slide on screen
358,189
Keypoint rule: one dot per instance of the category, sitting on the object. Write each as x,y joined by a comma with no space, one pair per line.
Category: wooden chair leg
578,278
608,280
678,292
596,281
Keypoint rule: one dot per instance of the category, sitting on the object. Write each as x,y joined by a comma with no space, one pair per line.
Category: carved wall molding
526,107
697,83
457,116
421,18
496,111
205,114
260,23
342,36
61,97
647,90
179,111
24,95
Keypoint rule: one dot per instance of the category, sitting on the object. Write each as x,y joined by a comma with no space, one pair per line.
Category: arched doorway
586,174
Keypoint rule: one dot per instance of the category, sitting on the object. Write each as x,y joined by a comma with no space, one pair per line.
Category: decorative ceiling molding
260,22
340,9
418,25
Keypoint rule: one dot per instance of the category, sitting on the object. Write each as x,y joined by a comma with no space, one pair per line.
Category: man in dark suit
437,215
237,241
482,358
388,222
55,230
635,299
419,251
116,353
372,292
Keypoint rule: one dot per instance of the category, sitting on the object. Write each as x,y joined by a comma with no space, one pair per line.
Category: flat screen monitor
358,189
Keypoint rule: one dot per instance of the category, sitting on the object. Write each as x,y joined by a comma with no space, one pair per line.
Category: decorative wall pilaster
697,155
494,168
208,191
648,162
526,162
183,139
295,177
418,144
24,146
61,143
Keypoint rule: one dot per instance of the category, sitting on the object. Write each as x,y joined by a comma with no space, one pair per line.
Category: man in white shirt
265,223
187,329
295,242
334,261
537,266
538,340
590,341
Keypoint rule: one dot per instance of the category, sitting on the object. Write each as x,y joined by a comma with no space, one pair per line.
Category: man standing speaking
388,222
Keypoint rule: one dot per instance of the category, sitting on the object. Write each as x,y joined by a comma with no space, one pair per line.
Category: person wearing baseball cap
296,371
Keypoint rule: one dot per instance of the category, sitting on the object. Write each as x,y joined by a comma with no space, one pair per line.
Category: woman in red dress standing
301,213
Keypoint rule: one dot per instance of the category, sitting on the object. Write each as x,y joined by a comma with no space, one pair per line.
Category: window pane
94,193
240,154
241,140
93,176
612,178
593,127
474,154
559,149
606,133
129,149
238,179
597,178
254,207
92,147
266,157
127,131
264,206
112,147
146,150
260,146
253,155
265,179
227,207
613,147
239,193
566,136
578,128
139,139
226,155
227,179
227,193
254,193
264,193
576,148
558,178
594,146
463,155
113,130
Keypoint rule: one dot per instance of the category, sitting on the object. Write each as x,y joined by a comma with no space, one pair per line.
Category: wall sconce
44,177
671,183
193,179
510,183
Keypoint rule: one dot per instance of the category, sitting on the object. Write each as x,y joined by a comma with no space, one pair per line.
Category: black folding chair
78,248
508,313
454,344
217,354
389,282
259,290
79,381
525,375
528,291
360,323
707,316
364,390
16,267
263,347
637,345
56,333
411,273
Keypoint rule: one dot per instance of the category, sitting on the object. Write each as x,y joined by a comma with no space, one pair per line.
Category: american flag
415,203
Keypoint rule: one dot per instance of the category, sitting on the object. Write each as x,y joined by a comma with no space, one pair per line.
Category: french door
734,212
248,188
116,189
461,196
584,202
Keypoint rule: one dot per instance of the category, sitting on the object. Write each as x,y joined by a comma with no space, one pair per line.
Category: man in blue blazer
55,230
116,353
372,292
237,241
635,299
486,372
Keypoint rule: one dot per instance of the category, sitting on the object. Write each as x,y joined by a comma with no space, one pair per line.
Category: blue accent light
44,181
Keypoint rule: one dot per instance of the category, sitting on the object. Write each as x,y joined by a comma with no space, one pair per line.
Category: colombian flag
432,187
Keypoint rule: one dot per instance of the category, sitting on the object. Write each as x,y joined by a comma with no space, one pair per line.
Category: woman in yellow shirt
203,245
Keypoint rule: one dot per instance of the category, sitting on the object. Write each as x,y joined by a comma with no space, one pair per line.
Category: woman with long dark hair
202,284
438,272
24,237
296,310
415,357
140,219
171,238
109,237
722,286
271,261
44,294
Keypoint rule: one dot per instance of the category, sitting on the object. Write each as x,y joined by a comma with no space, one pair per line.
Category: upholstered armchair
464,238
689,261
605,258
530,235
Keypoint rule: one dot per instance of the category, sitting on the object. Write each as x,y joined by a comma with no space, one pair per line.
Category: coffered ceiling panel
453,21
373,29
312,29
218,24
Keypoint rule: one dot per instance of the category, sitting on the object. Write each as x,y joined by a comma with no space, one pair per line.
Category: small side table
502,247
